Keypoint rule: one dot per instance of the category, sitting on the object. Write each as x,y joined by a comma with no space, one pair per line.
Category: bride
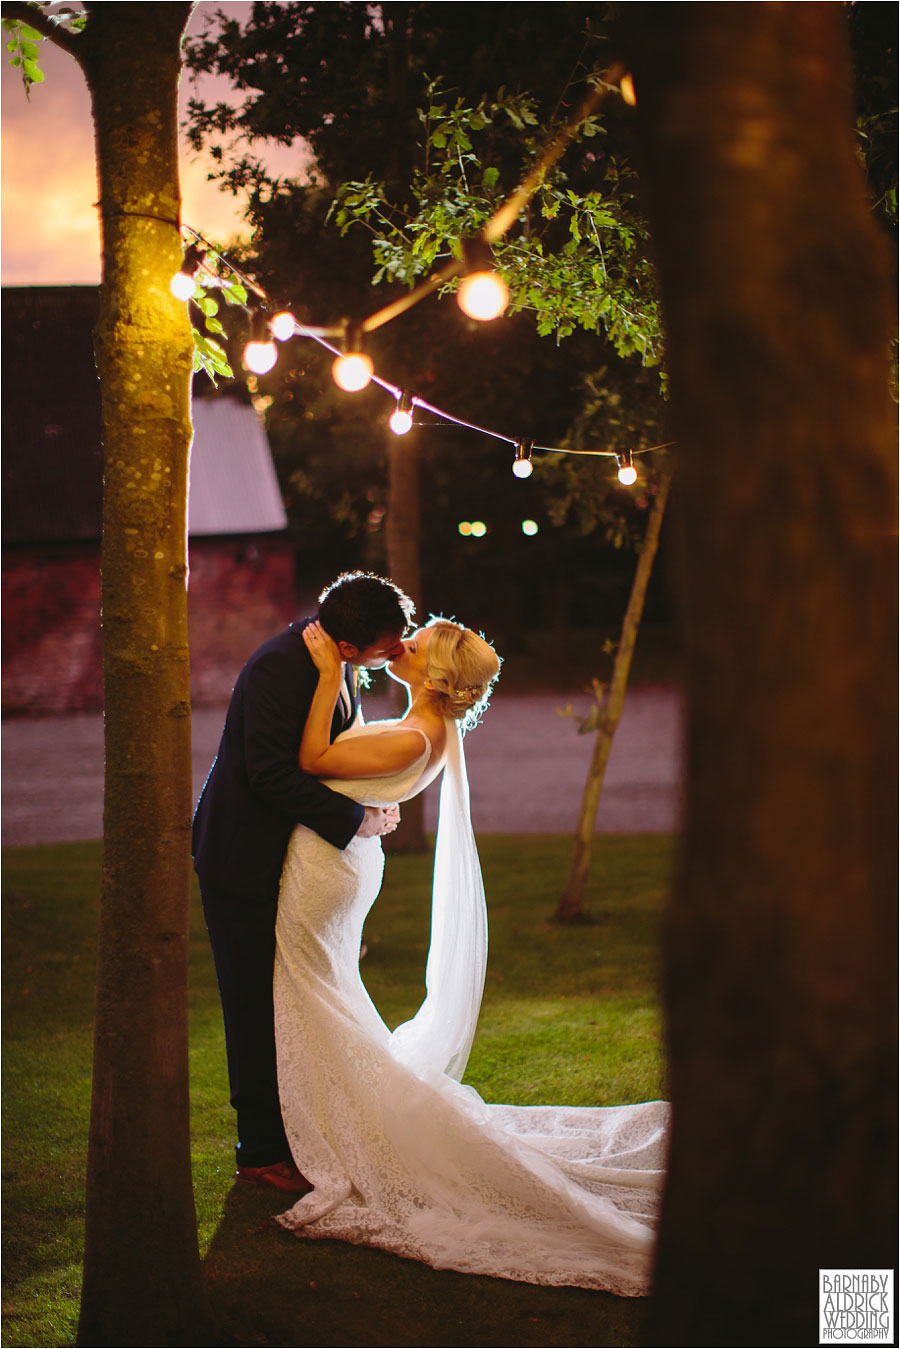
399,1153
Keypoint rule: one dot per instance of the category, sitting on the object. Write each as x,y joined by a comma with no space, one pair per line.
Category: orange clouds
50,227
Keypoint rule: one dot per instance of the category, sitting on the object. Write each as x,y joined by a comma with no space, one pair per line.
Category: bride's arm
358,757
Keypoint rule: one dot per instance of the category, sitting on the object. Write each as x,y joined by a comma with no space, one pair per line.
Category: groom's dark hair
359,608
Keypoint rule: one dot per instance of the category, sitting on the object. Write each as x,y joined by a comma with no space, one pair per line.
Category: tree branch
16,9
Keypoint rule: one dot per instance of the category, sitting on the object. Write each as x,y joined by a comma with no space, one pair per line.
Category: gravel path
527,768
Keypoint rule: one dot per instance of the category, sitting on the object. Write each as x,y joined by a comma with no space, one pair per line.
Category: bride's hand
324,651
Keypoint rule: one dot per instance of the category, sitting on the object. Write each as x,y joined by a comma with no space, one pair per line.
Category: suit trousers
242,936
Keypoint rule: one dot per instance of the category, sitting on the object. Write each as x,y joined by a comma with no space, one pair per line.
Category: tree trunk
780,937
142,1279
403,534
570,908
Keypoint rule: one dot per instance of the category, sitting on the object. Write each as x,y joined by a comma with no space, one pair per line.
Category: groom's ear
349,652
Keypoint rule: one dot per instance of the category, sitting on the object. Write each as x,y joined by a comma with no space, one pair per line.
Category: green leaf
208,305
31,34
34,72
234,294
490,176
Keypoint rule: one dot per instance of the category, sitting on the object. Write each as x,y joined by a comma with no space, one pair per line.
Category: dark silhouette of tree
142,1279
779,956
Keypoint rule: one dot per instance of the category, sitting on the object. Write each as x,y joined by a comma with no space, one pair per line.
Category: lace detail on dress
400,1154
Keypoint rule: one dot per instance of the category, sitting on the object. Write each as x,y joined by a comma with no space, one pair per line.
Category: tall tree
142,1278
779,950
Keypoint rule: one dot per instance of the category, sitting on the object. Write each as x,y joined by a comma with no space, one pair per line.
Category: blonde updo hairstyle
462,668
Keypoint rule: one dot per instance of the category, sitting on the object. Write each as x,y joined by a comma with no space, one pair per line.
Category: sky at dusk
49,222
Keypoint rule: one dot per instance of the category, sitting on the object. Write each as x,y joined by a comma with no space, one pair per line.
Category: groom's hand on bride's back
379,820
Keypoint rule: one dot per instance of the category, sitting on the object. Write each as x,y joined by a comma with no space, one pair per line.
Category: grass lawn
570,1015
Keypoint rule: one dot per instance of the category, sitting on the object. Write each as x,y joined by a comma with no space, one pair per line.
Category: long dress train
401,1155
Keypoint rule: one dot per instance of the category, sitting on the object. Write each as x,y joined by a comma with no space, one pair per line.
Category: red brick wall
241,592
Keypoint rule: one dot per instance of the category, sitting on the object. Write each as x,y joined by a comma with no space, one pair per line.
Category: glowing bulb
182,286
529,527
479,529
627,475
464,528
281,326
400,422
482,295
523,468
626,89
260,357
353,371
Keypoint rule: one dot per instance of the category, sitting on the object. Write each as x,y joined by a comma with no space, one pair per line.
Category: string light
353,369
401,418
465,528
522,465
482,294
626,89
529,527
283,325
479,529
627,474
183,283
260,353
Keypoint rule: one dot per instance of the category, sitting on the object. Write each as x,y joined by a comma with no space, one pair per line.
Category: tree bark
403,527
570,908
779,980
142,1279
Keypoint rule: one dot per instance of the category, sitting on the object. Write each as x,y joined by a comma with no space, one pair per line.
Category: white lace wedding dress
400,1154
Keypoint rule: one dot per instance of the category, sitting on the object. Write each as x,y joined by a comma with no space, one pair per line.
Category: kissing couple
370,1129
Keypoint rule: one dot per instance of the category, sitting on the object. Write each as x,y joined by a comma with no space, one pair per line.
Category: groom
253,797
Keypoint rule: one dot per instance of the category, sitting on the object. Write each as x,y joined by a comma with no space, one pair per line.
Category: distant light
353,371
479,529
626,89
464,528
260,357
483,295
529,527
282,325
400,421
182,286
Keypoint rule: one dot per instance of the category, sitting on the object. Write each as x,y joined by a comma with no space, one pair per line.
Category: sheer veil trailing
439,1037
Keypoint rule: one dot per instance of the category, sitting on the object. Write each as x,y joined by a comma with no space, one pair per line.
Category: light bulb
182,286
626,89
529,527
401,421
482,295
464,528
260,357
479,529
627,475
353,371
522,466
281,326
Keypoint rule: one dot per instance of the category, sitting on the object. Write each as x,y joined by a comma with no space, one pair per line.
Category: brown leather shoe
279,1176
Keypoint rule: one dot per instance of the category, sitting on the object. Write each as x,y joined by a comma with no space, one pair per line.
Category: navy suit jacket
256,791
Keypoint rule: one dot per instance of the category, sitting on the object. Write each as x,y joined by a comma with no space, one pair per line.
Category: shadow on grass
269,1287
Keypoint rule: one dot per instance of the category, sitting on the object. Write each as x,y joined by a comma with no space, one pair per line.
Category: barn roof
52,453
